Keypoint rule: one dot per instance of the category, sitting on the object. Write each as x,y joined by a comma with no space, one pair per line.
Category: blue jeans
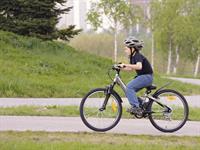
135,85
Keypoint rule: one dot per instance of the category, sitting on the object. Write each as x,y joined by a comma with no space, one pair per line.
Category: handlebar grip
122,66
117,66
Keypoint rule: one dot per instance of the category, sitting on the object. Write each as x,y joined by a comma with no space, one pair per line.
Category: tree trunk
115,46
177,60
152,50
169,57
115,42
197,66
137,28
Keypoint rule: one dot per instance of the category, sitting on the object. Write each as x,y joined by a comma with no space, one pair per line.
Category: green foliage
34,18
175,26
94,18
178,21
70,32
117,12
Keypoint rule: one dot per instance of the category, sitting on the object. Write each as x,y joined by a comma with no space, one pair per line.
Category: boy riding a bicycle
144,71
101,108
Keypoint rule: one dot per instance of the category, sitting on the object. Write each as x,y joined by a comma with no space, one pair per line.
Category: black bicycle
101,108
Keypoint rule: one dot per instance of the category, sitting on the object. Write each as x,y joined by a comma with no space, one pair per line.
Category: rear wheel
94,116
172,115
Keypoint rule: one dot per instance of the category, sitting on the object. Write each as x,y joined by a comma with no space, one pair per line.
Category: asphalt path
74,124
186,80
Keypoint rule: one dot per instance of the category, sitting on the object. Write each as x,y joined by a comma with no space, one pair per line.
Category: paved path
74,124
186,80
193,101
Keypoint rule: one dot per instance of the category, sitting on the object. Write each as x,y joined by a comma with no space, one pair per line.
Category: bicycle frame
117,80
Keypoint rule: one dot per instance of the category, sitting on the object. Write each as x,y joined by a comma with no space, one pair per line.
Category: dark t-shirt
146,66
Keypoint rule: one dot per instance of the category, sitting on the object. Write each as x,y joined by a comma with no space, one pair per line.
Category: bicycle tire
186,111
84,119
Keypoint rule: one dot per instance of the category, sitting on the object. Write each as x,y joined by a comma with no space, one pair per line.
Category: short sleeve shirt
146,66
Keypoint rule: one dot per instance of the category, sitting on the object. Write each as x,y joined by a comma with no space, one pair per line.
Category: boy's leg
135,85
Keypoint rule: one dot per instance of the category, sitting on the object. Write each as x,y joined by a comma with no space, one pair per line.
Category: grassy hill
30,67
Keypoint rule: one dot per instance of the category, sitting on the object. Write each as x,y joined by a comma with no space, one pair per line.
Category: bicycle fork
107,93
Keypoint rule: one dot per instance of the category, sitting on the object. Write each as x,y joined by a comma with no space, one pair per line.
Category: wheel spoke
96,119
171,117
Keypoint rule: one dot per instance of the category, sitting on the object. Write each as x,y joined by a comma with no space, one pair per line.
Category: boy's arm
131,67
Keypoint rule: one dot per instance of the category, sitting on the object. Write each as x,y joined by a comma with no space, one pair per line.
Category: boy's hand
122,65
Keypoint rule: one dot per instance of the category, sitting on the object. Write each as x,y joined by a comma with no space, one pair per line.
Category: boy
144,71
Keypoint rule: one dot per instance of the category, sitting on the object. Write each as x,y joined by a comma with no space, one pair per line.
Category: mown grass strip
90,141
69,111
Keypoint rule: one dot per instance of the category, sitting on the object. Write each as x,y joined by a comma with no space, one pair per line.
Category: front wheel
171,111
101,111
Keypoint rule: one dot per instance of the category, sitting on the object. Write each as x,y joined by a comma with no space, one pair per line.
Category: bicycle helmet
133,42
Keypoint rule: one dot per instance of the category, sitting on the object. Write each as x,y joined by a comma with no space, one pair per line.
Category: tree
154,9
118,13
164,21
194,17
34,18
186,32
181,30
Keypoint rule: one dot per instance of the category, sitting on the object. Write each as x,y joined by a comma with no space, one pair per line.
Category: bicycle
101,108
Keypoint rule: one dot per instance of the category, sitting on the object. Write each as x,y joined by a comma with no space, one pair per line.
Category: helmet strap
132,51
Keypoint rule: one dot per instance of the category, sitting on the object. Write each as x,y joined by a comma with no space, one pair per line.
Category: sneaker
135,110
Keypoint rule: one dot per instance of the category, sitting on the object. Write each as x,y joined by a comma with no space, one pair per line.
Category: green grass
87,141
70,111
31,67
34,68
41,111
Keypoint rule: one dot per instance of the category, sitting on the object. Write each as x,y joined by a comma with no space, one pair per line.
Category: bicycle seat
151,87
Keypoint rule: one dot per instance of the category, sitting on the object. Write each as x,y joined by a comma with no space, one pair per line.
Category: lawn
89,141
70,111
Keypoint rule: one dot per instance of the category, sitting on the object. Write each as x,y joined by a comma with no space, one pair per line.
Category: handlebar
117,67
